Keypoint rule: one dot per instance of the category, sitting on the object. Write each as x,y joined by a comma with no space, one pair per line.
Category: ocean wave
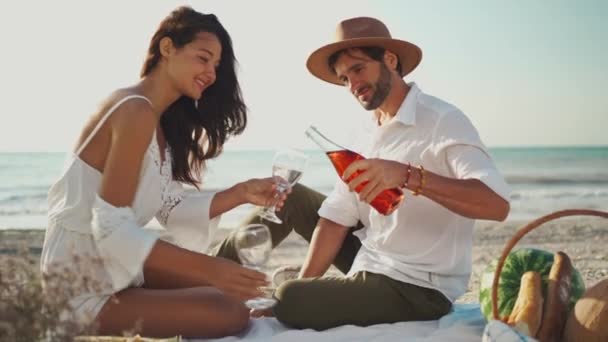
22,188
596,179
22,211
560,194
22,197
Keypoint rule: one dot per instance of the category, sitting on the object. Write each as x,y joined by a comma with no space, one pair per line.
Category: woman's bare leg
191,312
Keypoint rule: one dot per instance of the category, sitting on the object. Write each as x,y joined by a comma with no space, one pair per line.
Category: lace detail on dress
164,167
154,151
169,200
107,218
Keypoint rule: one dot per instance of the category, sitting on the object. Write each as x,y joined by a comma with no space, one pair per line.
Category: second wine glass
253,246
287,168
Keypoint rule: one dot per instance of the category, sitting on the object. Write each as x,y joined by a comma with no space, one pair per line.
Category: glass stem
280,190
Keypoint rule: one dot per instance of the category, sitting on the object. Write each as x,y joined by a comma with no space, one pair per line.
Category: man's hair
374,52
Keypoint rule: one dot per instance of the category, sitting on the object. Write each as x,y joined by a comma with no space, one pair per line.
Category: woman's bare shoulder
136,110
137,104
134,121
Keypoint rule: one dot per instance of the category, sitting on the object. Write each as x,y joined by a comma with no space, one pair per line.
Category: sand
584,239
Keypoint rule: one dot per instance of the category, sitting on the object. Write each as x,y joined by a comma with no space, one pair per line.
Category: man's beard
382,88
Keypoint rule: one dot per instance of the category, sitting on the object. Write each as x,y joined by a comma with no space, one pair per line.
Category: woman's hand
235,280
263,192
261,313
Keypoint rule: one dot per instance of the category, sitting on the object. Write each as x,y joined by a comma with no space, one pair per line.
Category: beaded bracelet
422,182
407,177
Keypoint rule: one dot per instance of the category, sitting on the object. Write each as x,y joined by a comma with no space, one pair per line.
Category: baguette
555,311
528,309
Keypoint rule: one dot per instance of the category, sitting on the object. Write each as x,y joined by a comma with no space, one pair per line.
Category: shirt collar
406,114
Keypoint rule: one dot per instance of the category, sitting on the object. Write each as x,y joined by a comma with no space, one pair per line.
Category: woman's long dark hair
197,134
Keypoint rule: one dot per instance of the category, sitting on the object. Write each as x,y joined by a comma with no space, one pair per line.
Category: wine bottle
386,202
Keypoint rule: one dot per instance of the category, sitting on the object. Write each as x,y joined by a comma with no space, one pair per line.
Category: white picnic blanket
464,323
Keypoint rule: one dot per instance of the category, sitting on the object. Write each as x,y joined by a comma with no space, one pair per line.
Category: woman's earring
196,104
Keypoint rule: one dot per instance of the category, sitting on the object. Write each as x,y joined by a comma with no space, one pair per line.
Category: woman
129,166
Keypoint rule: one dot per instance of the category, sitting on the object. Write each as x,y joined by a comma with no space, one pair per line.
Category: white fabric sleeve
122,244
470,162
454,128
458,143
185,215
341,206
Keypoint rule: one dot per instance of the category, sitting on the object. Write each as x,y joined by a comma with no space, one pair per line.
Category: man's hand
376,175
466,197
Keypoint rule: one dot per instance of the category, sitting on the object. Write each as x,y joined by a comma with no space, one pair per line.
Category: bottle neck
324,143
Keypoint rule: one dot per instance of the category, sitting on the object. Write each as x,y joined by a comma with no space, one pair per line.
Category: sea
543,179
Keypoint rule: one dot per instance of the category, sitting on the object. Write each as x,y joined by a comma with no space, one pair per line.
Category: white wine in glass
287,168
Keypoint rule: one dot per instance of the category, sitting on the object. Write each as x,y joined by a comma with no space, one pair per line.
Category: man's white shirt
422,242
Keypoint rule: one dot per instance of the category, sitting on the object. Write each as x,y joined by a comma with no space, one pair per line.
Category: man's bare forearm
467,197
326,241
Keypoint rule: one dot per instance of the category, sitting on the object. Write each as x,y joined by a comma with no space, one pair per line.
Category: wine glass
287,168
253,246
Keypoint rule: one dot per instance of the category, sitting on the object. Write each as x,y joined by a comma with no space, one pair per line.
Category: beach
583,238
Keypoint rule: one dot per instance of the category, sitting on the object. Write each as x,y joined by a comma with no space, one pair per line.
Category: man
413,263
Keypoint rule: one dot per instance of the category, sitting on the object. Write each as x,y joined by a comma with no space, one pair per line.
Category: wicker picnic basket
520,234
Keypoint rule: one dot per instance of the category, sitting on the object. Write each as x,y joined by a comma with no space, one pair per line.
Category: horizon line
315,149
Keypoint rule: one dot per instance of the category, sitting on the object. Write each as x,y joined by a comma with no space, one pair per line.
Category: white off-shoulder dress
83,227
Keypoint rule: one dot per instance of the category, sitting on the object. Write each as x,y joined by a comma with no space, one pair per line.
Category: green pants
321,303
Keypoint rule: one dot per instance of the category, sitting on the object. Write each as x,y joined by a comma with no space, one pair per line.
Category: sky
527,73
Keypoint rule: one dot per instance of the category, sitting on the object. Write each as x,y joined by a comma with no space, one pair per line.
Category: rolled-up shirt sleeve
340,206
458,143
471,162
185,215
123,245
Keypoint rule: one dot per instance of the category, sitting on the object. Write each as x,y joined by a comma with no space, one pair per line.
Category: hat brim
409,55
